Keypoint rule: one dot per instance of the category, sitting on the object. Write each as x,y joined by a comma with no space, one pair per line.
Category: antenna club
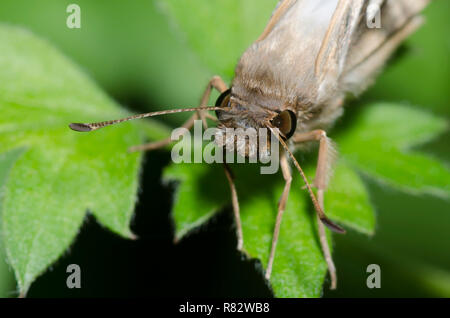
81,127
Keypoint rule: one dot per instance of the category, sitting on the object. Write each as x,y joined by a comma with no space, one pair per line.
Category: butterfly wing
313,52
280,64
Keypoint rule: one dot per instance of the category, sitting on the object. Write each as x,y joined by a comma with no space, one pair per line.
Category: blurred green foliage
135,53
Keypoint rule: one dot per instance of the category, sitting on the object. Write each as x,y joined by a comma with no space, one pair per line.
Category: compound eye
286,122
224,99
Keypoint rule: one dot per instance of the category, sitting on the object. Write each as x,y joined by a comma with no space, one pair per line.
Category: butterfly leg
326,152
281,207
217,83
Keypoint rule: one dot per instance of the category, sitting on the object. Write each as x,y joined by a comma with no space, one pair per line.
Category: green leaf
379,144
299,268
220,28
421,75
61,174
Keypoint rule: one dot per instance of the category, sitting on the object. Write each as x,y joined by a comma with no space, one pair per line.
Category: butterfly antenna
325,220
81,127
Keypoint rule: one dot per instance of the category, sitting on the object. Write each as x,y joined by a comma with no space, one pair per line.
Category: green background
134,53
